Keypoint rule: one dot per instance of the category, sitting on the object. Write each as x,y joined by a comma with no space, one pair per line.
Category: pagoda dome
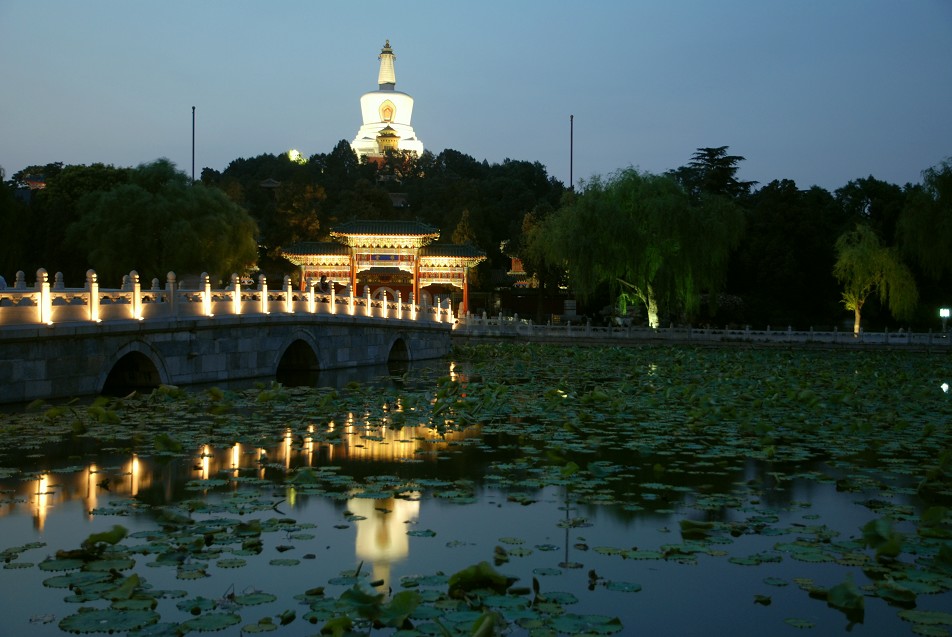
386,108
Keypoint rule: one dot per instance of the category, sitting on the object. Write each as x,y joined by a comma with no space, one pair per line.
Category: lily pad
93,620
210,622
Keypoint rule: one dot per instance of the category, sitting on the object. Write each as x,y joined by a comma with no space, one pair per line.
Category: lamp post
944,315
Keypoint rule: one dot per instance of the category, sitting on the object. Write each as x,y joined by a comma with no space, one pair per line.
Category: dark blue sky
817,91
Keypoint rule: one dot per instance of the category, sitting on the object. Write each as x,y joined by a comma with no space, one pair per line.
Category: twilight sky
817,91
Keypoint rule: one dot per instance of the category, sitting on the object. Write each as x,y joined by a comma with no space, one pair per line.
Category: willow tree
864,265
925,226
645,235
160,221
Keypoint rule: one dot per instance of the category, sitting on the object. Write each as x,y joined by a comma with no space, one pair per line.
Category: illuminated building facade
386,115
389,257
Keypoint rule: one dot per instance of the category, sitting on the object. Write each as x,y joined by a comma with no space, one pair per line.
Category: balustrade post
399,305
263,290
288,296
92,285
58,281
235,293
45,304
136,295
350,298
333,298
367,309
206,295
170,292
311,306
20,282
413,307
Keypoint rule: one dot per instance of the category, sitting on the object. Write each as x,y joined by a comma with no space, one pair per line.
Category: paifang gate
392,258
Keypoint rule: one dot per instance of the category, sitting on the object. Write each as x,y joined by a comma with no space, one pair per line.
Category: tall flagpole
571,150
193,144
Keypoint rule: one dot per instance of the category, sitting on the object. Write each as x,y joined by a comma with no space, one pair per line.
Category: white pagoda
386,115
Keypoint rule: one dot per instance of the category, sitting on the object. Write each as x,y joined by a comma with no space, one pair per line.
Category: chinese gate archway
393,255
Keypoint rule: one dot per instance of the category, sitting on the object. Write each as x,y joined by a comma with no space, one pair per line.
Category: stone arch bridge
57,342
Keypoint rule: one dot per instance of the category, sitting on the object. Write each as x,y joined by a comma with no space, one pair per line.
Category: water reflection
382,538
159,480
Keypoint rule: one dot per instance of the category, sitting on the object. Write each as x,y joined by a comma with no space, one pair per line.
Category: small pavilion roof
381,233
385,227
452,253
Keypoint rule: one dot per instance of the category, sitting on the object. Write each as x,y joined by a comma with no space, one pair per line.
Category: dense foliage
718,250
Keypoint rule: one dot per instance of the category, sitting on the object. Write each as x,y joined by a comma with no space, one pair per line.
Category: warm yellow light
206,462
295,156
135,471
42,501
288,438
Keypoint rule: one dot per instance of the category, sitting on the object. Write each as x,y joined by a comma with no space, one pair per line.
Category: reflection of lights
206,462
91,489
262,460
382,536
42,501
453,371
236,457
309,445
136,472
287,448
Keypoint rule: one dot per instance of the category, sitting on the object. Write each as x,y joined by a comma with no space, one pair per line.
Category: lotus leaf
92,620
798,623
60,564
926,617
254,598
210,622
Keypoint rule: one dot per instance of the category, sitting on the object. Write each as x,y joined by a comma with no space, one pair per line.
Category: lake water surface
658,492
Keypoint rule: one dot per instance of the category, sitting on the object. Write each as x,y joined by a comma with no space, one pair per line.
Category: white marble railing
504,326
53,303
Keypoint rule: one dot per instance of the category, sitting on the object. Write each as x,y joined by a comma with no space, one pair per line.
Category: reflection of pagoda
382,535
386,115
389,257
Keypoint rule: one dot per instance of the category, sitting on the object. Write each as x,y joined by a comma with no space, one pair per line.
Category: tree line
691,245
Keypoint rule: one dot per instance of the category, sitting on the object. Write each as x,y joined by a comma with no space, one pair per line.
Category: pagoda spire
387,78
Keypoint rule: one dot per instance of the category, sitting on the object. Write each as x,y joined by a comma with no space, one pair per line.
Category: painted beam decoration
391,258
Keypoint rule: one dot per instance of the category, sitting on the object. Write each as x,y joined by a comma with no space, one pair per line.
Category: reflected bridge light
135,472
42,501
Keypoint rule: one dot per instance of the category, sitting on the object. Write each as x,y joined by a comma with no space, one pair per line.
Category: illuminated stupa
386,115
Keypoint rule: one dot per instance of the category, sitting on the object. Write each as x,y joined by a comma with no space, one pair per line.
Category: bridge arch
136,366
298,362
399,350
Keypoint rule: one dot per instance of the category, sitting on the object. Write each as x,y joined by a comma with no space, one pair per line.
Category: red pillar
416,279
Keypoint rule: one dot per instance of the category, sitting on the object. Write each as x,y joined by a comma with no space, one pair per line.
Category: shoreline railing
53,303
514,327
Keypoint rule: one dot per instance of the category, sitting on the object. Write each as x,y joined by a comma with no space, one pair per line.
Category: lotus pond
517,490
